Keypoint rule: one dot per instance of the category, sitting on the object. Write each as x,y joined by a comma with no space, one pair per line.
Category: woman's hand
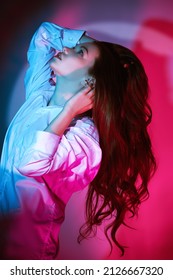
52,79
86,39
80,102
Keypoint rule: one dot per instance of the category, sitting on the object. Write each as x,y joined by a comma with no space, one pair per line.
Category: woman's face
75,63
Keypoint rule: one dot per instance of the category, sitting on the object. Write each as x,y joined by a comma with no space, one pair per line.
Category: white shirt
40,170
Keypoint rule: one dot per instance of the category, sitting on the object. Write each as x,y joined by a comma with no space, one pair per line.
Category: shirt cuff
71,37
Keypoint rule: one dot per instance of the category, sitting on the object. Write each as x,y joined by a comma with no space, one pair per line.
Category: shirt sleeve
77,152
48,38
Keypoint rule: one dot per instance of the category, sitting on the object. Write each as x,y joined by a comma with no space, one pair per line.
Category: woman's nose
66,50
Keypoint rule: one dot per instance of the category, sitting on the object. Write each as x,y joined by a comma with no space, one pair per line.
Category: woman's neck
64,90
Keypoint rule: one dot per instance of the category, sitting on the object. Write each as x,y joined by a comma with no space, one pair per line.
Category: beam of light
151,39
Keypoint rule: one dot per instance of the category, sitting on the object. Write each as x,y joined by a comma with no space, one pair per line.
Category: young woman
84,123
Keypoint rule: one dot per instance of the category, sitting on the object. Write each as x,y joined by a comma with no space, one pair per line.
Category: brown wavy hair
122,114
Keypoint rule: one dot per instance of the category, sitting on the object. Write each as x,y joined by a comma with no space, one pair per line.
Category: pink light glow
150,35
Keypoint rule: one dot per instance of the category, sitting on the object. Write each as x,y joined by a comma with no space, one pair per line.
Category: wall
147,28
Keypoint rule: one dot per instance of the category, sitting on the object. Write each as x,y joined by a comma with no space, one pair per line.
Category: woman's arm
53,150
78,104
48,38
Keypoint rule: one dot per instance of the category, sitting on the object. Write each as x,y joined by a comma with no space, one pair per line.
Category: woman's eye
81,52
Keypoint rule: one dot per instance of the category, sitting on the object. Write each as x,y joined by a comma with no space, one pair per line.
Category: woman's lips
58,55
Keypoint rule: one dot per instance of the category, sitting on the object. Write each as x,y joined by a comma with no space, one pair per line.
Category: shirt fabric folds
40,170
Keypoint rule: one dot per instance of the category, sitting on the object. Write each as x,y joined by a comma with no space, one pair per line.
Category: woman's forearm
61,122
76,105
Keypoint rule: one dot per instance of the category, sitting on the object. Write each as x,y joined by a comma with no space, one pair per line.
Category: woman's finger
86,90
91,93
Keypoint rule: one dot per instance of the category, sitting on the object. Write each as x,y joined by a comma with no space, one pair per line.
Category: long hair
121,114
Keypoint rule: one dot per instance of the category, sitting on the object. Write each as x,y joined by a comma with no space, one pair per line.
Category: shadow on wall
18,21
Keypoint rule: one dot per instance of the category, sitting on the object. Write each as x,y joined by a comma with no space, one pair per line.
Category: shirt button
70,38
